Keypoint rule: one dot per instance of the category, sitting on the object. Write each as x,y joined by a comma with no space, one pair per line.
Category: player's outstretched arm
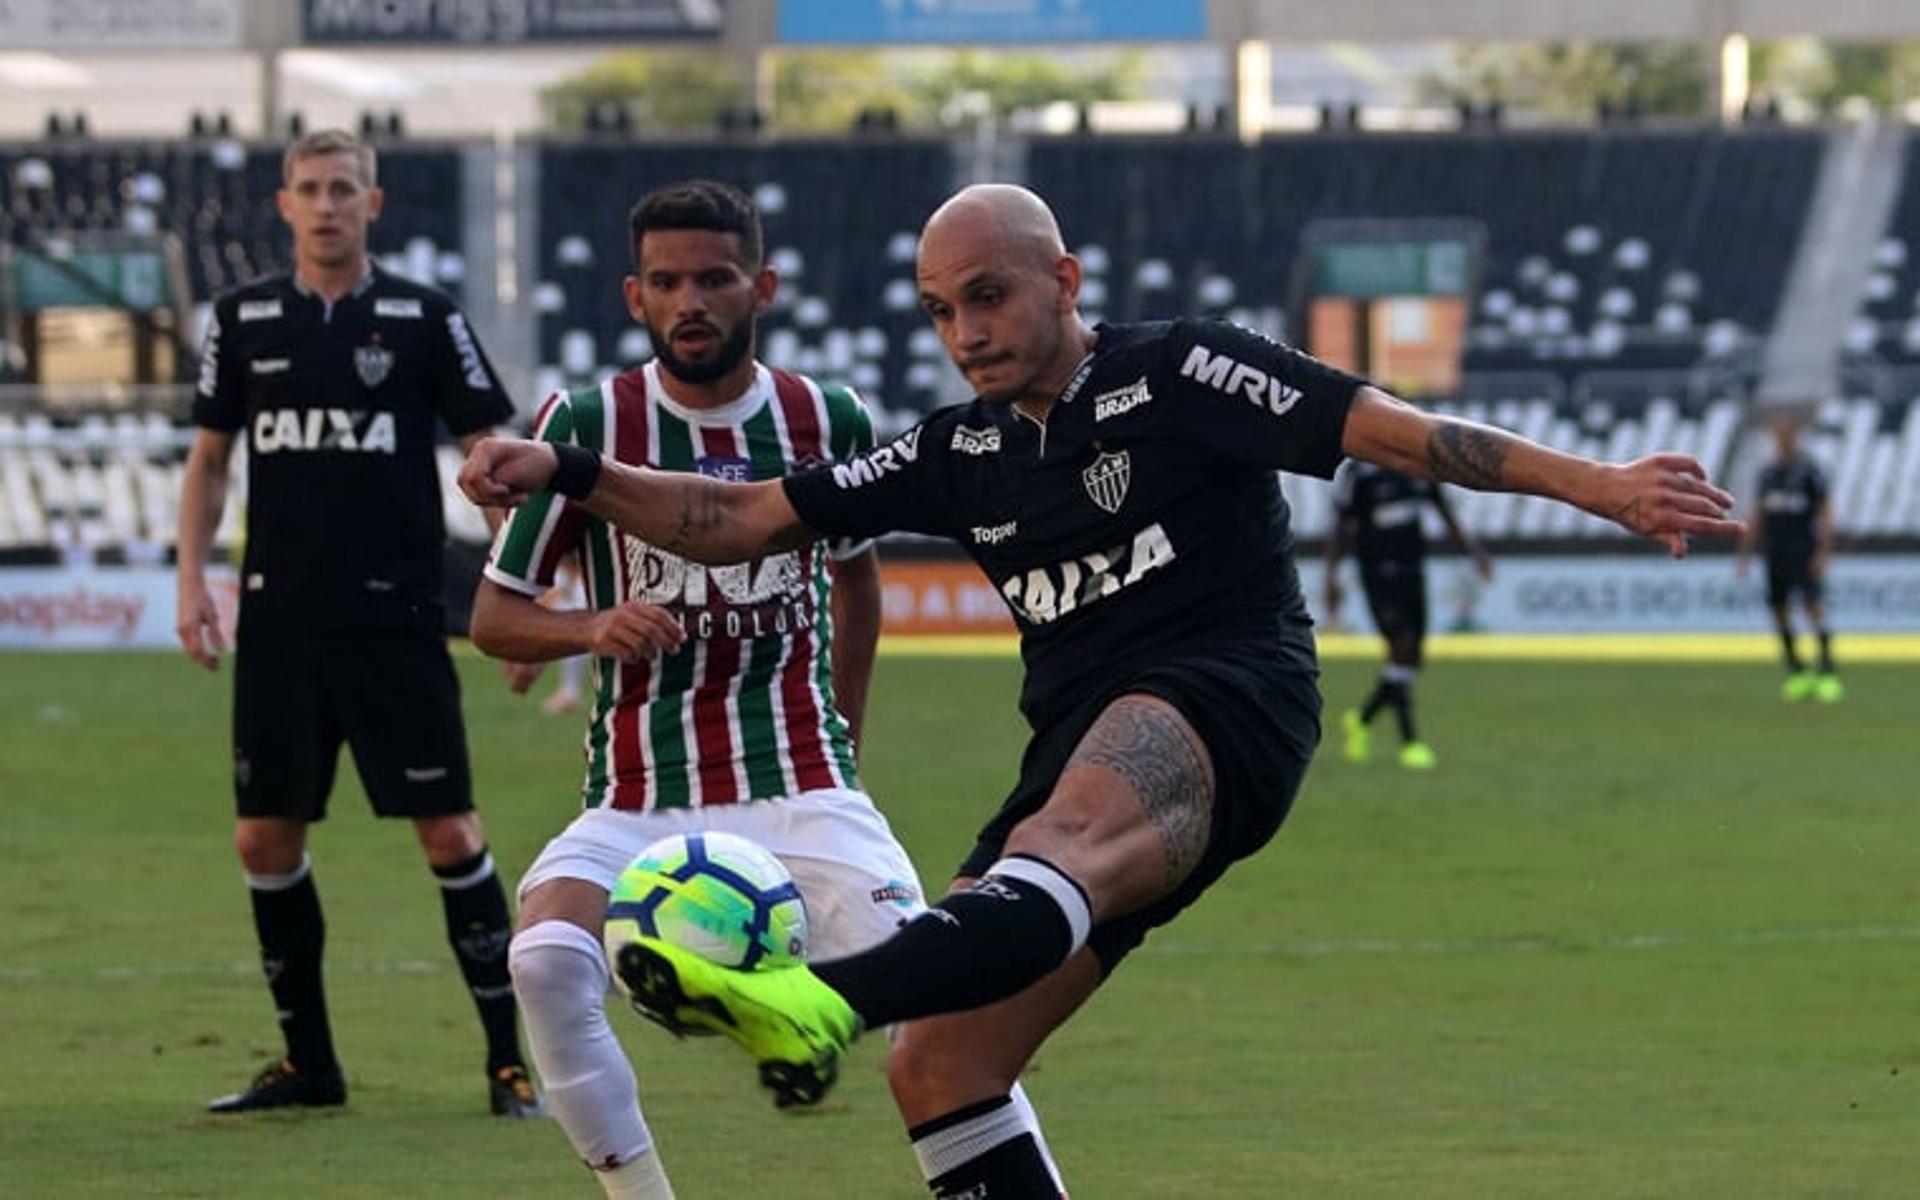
1665,497
706,520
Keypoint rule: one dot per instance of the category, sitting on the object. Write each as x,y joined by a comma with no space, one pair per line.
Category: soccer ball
717,894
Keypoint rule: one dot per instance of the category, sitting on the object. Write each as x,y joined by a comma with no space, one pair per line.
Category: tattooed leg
1132,812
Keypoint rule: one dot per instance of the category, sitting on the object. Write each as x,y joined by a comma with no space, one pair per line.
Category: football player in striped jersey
724,697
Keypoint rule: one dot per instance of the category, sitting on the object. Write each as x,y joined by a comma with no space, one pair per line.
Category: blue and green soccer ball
718,895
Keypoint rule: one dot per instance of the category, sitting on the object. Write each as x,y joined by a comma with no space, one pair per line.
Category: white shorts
857,882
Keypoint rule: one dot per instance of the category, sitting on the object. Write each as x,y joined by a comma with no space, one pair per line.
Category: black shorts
1788,574
392,696
1397,595
1260,722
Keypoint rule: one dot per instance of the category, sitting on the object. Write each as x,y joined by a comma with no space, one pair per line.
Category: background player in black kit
1117,485
1378,516
336,375
1794,527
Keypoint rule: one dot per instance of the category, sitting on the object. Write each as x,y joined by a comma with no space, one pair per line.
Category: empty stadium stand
1887,327
1626,248
1625,285
218,198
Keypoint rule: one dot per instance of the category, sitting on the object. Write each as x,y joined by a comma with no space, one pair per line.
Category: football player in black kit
1794,526
1117,485
1378,516
335,374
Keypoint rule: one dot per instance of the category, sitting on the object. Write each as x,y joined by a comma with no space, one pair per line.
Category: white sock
560,975
636,1179
1031,1120
956,1146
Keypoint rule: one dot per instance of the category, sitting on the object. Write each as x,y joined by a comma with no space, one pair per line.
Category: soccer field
1646,932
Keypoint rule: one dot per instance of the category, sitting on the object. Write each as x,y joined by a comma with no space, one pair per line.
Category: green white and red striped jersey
744,709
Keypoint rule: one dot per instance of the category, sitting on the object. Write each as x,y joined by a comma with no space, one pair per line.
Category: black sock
479,927
1403,711
1381,697
982,1150
293,935
1018,922
1792,652
1826,650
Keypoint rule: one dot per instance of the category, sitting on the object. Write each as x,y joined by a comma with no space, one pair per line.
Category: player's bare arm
509,625
1470,545
1823,540
1662,496
856,623
203,498
706,520
1339,545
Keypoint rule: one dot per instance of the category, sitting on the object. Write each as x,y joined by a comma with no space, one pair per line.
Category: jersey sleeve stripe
849,423
522,547
803,414
543,416
849,434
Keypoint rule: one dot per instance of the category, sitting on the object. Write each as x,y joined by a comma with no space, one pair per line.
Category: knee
931,1077
267,848
449,840
556,963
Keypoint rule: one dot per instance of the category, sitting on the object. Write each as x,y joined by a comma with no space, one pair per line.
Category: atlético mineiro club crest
372,363
1107,477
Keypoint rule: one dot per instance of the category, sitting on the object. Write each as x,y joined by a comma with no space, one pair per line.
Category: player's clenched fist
503,472
633,631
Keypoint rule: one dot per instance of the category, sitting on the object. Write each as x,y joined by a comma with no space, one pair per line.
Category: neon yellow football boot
1799,686
1828,689
793,1025
1359,738
1417,756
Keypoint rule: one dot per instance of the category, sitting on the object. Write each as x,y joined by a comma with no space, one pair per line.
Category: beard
726,356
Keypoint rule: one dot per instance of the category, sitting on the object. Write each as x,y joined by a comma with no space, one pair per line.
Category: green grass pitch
1647,932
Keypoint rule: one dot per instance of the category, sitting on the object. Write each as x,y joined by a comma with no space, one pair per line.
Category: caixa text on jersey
276,429
1043,594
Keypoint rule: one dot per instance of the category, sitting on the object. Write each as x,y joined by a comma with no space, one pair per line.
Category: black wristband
577,472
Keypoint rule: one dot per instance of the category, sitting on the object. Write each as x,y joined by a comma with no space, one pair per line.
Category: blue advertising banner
1002,22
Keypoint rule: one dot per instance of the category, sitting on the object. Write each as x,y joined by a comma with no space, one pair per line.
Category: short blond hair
330,141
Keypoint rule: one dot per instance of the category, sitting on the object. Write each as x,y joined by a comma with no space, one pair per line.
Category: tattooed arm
702,519
1662,496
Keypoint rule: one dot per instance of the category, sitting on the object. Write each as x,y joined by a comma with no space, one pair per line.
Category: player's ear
766,284
630,288
283,200
376,198
1066,276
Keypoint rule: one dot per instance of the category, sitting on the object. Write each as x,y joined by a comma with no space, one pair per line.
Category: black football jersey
337,403
1141,519
1792,492
1386,511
